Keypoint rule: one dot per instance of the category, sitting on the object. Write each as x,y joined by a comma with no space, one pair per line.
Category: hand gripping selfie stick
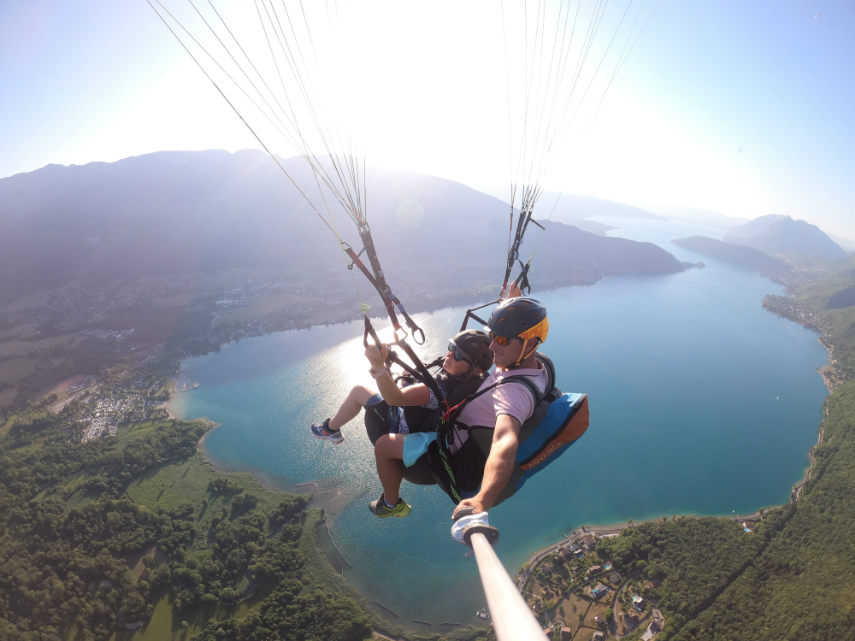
512,619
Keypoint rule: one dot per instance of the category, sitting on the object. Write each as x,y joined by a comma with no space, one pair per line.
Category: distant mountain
738,255
178,213
579,211
572,208
775,246
702,216
781,235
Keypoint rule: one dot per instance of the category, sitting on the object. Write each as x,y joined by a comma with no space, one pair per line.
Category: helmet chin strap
523,355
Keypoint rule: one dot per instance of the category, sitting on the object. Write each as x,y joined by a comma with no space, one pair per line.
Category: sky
742,108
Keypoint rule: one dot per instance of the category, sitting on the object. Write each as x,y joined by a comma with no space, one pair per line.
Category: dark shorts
380,418
466,465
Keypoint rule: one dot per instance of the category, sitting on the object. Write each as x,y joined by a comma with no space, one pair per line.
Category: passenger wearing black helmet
516,328
414,408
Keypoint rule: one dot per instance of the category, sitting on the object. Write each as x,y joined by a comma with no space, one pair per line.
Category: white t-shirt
513,399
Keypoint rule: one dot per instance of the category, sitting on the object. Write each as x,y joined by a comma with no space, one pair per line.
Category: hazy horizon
742,110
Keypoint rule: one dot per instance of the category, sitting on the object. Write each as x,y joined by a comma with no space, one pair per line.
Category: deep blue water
701,402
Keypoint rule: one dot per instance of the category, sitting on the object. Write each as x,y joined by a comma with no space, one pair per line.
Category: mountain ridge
172,213
775,246
780,235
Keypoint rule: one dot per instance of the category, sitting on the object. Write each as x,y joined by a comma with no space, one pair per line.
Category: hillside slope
781,235
174,213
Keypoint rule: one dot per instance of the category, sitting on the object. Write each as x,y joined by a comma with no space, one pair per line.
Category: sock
386,503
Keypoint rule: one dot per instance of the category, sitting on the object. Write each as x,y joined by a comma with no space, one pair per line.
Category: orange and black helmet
520,317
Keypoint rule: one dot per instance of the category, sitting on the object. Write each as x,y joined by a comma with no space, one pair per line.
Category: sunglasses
501,341
459,354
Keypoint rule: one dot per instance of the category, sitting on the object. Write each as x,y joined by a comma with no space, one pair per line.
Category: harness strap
377,279
447,422
453,492
470,313
513,378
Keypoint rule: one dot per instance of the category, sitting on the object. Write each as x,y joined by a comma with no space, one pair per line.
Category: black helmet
475,346
519,317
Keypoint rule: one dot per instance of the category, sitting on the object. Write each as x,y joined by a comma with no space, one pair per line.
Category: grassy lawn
571,608
597,609
584,633
575,612
161,627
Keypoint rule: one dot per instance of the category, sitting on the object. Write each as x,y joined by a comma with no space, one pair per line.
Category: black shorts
378,423
465,468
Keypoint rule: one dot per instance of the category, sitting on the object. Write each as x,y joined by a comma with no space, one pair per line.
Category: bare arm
499,466
418,394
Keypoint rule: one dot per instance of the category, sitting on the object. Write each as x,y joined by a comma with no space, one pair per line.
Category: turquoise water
701,402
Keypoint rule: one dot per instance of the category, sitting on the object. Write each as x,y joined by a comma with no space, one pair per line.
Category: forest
82,559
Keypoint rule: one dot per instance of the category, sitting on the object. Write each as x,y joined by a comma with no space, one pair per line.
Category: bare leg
352,405
389,452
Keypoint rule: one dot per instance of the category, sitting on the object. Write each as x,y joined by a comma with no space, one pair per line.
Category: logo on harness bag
540,458
567,434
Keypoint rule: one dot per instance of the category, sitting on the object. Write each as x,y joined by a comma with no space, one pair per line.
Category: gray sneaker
323,431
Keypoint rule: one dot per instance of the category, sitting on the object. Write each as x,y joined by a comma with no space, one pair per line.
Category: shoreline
327,495
614,529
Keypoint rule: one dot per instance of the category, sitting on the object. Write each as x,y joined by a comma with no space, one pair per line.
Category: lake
702,402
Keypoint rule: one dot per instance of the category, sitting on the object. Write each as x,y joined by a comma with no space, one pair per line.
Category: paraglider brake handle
491,533
400,335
